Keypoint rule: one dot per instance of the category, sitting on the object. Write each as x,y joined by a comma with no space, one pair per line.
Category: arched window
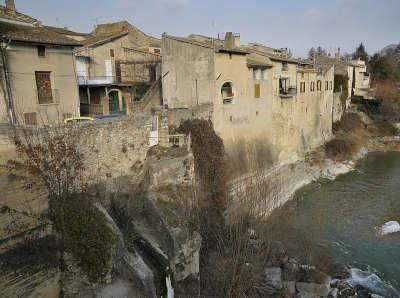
227,92
319,86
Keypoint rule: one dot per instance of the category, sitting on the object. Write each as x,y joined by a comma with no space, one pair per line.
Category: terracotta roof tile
33,34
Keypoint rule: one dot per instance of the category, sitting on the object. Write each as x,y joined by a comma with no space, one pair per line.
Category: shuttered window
257,91
30,118
43,85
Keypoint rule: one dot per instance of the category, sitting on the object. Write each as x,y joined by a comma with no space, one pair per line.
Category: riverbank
342,279
334,226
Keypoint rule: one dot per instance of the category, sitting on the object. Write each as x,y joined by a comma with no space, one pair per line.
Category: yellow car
76,120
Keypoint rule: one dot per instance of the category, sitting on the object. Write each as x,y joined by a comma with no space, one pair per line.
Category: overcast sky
296,24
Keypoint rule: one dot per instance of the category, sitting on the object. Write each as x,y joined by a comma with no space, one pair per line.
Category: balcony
98,80
288,92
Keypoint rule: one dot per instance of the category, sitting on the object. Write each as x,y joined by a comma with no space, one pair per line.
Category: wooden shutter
43,85
257,91
30,118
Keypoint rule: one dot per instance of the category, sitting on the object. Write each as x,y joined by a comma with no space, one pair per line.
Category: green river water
344,215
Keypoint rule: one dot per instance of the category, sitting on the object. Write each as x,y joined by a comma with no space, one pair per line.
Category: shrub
88,237
388,93
340,149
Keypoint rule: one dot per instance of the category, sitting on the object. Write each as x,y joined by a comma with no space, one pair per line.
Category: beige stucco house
38,79
115,66
251,93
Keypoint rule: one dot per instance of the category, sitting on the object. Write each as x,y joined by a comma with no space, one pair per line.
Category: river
342,217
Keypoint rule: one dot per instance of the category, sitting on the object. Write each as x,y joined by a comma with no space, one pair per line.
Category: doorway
113,101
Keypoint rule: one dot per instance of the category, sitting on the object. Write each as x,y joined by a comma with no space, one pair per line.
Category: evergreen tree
311,53
382,67
361,53
320,51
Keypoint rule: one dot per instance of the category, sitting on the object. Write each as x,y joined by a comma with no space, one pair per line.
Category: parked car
76,120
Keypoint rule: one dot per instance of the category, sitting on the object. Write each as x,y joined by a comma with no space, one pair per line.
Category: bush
388,93
340,149
88,237
350,122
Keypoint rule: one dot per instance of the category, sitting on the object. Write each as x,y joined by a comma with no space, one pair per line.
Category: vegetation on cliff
50,157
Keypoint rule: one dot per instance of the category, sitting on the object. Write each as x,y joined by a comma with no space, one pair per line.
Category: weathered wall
111,147
188,74
246,117
337,106
23,61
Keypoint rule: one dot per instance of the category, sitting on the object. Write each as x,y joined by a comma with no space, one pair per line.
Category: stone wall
176,116
337,107
111,147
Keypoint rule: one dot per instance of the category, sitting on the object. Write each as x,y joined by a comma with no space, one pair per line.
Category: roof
255,60
66,31
210,43
33,34
16,16
94,41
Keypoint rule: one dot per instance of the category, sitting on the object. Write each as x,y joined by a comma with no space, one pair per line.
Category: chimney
10,5
231,40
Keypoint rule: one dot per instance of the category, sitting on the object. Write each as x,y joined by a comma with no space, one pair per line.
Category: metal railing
289,91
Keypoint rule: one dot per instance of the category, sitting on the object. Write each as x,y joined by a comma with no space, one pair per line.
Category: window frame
230,96
41,99
257,90
312,86
319,85
41,51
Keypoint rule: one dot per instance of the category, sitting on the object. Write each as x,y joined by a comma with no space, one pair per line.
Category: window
41,50
285,66
227,92
30,118
330,85
319,86
302,87
157,51
112,54
326,85
43,85
312,86
257,91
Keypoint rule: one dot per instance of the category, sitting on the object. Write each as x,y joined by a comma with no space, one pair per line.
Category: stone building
38,81
251,93
116,65
354,71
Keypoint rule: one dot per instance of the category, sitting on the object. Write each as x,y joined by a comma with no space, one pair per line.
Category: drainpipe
6,80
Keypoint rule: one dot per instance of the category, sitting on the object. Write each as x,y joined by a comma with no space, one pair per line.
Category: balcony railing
288,92
97,80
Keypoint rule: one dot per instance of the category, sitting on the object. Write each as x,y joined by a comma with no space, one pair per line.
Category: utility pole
6,84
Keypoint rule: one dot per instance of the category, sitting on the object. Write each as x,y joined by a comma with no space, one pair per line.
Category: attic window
285,66
227,92
41,50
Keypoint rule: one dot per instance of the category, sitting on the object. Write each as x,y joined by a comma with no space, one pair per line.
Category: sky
296,24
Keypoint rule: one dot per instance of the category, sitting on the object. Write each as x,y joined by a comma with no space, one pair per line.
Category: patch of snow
390,228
